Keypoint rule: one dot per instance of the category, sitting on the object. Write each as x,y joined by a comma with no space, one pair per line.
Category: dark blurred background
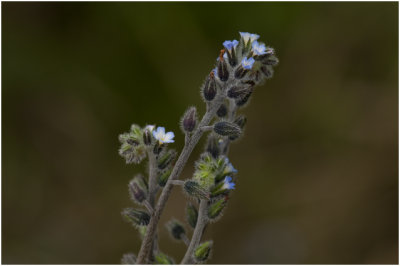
318,164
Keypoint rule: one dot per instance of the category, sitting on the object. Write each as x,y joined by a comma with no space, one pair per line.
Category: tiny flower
229,45
228,184
249,36
163,137
247,63
258,48
229,167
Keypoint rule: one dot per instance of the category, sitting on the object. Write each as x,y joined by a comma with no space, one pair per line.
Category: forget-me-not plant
241,66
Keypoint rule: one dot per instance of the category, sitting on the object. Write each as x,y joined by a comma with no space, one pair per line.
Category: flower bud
191,215
176,229
210,87
271,60
240,121
165,159
216,207
267,71
193,189
158,147
244,99
138,189
189,120
137,217
202,251
161,258
222,111
212,146
147,137
240,72
128,259
238,91
163,177
227,129
222,67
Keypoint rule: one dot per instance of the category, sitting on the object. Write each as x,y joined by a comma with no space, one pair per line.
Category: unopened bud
202,251
238,91
271,60
191,215
216,207
138,189
267,71
137,217
161,258
147,137
227,129
223,72
193,189
240,72
165,159
212,146
163,177
243,100
176,229
241,121
222,111
157,148
210,88
128,259
189,120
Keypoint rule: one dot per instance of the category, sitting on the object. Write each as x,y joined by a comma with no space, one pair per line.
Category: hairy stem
146,246
153,188
202,221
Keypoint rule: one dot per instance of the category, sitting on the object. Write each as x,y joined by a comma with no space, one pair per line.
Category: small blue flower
258,48
229,167
229,45
247,63
249,37
163,137
228,184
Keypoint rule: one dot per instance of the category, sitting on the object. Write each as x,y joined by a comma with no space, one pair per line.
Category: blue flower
249,36
247,63
258,48
163,137
229,45
229,167
228,184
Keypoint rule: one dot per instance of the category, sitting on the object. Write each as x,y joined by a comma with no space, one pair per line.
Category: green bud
227,129
137,217
128,259
165,159
216,207
176,229
191,215
203,251
245,98
163,177
193,189
161,258
138,189
157,148
142,231
222,67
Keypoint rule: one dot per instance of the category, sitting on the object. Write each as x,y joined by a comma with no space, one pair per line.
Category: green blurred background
318,164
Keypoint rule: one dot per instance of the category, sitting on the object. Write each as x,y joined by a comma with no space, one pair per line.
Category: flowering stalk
240,66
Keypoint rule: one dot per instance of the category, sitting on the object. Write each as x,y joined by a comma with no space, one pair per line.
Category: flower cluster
241,65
